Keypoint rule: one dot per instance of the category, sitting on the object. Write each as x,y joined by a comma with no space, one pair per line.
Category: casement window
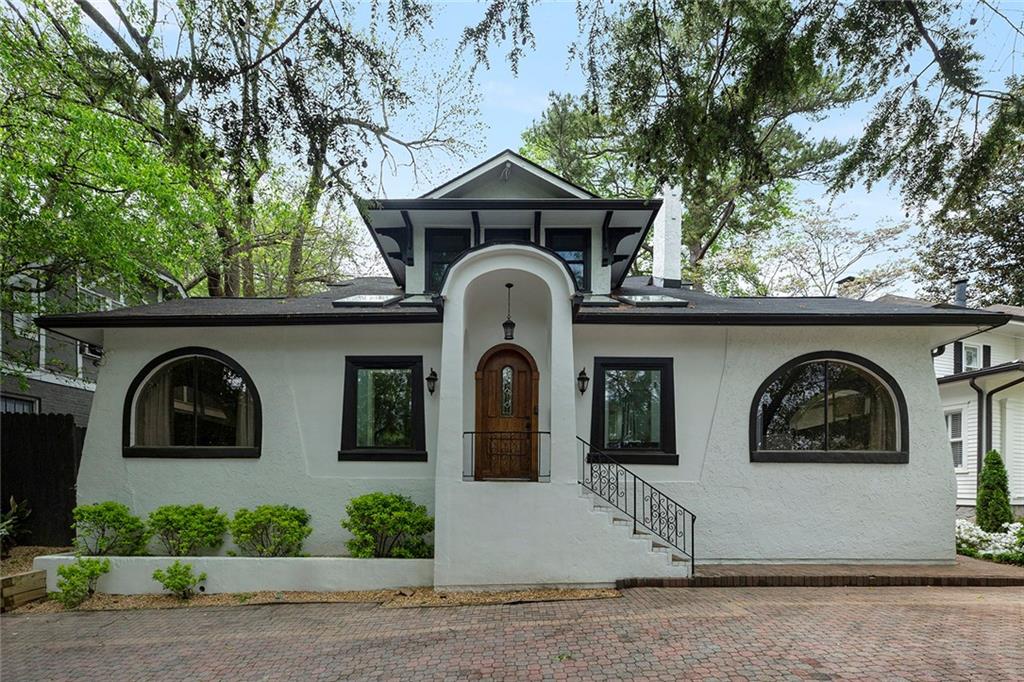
382,409
633,416
955,436
573,246
192,402
18,404
443,247
829,407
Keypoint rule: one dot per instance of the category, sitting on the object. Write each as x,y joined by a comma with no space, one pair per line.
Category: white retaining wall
134,575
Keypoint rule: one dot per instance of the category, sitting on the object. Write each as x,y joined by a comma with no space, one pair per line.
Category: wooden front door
505,445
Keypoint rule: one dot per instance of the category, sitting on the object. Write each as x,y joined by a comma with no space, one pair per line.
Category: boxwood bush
108,529
179,580
387,525
77,581
270,530
185,530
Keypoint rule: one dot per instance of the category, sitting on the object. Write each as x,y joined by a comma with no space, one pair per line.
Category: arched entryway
506,439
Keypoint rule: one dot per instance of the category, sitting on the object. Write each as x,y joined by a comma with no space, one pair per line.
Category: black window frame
429,260
129,450
349,451
901,455
588,236
666,454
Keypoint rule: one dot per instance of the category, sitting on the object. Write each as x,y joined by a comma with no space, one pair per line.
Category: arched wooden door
505,445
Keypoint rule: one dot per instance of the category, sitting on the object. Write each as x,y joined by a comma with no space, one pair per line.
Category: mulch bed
391,599
21,558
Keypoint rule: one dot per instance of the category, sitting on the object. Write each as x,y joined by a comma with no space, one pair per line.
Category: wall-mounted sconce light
432,381
508,325
582,381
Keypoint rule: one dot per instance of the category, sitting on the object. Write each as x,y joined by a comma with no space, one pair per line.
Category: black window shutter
986,356
958,357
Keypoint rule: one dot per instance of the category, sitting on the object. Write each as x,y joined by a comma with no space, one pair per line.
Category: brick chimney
668,237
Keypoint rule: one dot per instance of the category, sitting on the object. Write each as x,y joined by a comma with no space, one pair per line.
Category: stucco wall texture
527,533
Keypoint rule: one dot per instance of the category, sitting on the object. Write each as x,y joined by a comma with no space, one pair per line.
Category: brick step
822,581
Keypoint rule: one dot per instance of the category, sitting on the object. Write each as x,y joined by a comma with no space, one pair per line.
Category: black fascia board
471,204
672,316
408,315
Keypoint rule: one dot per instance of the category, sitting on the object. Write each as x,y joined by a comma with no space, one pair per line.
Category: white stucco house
981,384
566,423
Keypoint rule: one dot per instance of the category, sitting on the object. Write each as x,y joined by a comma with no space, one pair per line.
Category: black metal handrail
648,507
507,444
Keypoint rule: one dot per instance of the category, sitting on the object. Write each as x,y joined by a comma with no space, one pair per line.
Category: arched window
829,407
192,402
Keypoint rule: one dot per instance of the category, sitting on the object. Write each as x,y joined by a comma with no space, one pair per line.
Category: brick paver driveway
793,633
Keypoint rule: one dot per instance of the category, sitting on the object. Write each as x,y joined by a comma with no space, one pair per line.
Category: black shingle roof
702,308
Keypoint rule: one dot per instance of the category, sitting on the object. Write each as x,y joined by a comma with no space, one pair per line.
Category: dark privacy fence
39,456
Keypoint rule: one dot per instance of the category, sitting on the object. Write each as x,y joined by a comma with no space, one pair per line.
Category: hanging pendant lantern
508,325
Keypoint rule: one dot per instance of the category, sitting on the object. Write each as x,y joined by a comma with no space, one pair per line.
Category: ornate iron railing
649,508
506,455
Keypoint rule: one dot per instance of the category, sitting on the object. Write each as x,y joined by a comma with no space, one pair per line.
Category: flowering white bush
969,535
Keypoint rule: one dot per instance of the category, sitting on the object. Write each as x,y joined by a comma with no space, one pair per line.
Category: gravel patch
394,599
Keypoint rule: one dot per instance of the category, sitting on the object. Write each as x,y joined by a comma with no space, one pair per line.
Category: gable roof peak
497,167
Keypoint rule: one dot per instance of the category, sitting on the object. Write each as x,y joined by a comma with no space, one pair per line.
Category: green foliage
979,238
270,530
1016,558
85,189
578,143
12,524
179,580
993,508
108,529
387,525
77,581
186,530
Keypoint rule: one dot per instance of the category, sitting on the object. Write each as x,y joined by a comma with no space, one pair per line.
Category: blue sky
509,103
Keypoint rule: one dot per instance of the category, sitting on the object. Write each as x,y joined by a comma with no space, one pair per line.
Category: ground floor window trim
665,453
130,450
350,451
901,455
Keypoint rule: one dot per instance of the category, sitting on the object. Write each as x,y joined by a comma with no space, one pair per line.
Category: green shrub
184,530
12,525
270,530
107,529
77,581
993,508
179,580
1016,558
387,525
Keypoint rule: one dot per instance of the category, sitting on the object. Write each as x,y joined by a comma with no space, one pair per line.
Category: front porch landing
966,572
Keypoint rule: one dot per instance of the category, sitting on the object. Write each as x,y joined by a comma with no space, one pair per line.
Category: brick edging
823,581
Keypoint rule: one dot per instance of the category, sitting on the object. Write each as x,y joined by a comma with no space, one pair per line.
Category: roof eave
1005,368
787,319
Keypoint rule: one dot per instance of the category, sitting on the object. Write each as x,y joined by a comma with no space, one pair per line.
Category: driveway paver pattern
888,633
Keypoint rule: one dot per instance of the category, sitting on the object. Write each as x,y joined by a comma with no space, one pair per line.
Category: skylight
366,300
661,300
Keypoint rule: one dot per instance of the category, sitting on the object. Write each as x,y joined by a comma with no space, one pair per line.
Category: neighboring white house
513,377
985,369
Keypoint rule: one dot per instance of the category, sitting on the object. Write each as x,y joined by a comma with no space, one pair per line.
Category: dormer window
443,247
574,248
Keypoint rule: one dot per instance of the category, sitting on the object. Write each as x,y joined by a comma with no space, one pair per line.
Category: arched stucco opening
475,306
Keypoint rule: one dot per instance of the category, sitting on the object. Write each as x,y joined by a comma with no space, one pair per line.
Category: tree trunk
310,201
